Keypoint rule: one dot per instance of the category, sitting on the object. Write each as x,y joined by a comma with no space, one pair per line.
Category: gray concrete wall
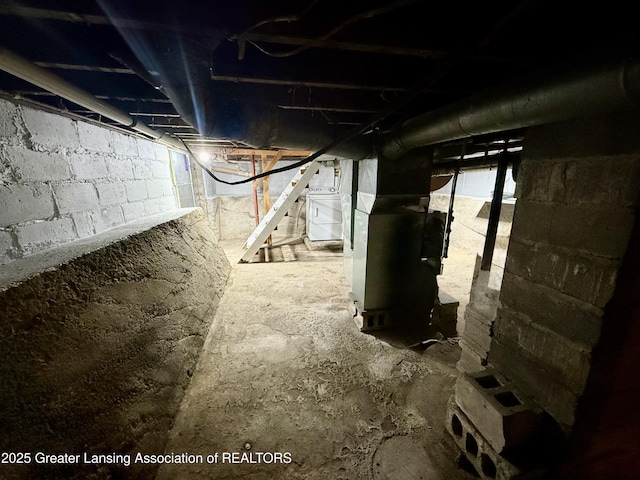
235,217
62,180
577,196
97,351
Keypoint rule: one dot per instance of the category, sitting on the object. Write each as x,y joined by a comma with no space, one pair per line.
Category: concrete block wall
235,216
62,180
231,208
479,316
577,194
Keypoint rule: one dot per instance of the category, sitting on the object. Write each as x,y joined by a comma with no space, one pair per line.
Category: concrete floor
284,370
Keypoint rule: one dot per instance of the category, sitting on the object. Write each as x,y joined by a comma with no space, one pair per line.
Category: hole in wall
488,466
488,382
465,465
471,445
456,426
508,399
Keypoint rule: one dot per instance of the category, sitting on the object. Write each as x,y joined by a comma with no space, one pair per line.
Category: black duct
216,111
563,93
259,125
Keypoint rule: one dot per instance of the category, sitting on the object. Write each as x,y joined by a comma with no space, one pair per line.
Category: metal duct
261,126
214,109
546,97
212,115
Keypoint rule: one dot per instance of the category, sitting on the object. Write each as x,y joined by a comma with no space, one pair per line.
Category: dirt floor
287,386
97,350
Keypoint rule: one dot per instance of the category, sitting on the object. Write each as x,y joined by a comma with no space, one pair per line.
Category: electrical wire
441,69
436,75
356,18
287,18
252,178
425,83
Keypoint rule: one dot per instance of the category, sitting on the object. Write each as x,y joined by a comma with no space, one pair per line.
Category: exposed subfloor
284,369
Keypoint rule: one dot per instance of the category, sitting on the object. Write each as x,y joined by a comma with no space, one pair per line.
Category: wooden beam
337,45
90,19
163,115
36,93
268,168
255,191
133,114
265,191
297,83
326,109
84,68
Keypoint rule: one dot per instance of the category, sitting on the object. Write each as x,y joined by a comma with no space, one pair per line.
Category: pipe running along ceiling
350,79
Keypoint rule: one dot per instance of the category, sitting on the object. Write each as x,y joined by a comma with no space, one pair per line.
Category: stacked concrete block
479,316
62,180
506,418
577,200
489,464
49,133
445,314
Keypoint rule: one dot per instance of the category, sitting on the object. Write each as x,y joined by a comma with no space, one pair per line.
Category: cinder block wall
231,207
61,180
98,337
578,190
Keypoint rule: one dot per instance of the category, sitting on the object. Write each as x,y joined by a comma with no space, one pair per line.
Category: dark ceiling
339,65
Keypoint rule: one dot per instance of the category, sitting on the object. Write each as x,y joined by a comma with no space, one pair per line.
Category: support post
494,214
355,172
265,192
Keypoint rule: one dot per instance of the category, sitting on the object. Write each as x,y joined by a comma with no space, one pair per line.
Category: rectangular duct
391,286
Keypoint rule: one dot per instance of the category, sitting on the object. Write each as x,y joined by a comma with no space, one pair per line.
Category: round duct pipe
214,113
215,109
545,97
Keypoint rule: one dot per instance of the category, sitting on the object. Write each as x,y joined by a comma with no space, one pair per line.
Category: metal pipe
230,171
254,186
469,165
355,173
546,97
29,72
449,221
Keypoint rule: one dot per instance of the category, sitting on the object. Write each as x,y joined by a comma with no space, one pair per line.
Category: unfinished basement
284,240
